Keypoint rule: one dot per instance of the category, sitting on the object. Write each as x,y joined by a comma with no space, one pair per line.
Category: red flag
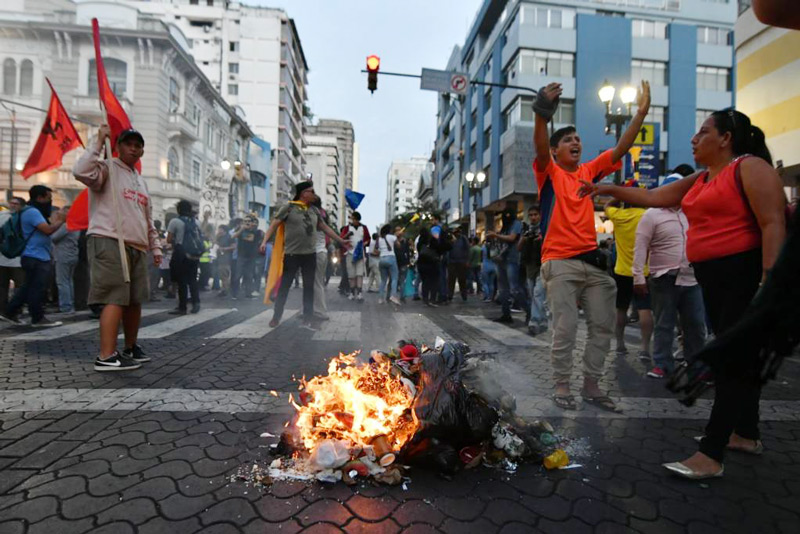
115,114
78,214
58,136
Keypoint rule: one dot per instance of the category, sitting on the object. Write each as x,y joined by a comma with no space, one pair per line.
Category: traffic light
373,66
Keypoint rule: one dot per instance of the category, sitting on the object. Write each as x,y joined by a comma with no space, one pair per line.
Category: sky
399,120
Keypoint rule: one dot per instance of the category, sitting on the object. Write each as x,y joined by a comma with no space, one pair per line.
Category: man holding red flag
118,121
128,200
58,136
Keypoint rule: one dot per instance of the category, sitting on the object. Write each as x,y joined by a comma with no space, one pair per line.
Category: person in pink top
661,241
736,214
122,301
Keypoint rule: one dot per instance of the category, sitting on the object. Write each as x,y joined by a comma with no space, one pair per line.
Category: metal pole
618,134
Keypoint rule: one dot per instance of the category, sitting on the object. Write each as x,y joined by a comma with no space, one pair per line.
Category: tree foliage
426,211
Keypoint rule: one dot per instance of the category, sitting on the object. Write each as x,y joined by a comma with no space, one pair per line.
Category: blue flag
353,198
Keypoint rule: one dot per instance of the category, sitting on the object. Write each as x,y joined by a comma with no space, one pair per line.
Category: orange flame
355,402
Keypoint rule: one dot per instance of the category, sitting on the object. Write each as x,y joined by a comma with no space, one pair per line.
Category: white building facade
196,145
254,57
344,134
324,167
402,184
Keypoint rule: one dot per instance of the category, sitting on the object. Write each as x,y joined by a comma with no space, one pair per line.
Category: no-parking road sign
444,81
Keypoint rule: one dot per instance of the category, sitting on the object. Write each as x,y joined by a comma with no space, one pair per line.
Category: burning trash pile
441,408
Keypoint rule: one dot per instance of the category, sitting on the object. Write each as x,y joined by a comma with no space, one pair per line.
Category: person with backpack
27,235
183,232
126,199
10,268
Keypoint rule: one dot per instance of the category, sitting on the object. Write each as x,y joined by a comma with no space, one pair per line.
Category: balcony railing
180,123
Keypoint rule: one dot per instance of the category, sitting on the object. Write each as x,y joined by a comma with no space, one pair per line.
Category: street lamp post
617,118
475,184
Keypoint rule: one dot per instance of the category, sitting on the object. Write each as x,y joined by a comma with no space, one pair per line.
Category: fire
355,402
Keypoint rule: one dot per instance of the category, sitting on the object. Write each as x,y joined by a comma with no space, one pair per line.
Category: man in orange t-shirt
572,267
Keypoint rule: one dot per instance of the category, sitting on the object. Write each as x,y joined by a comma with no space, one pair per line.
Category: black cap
302,186
130,133
38,190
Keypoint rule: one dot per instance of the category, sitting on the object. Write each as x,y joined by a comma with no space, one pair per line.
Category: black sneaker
10,319
506,319
136,354
115,362
195,308
177,311
44,322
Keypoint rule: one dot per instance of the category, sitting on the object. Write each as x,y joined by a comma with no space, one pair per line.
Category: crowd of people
689,255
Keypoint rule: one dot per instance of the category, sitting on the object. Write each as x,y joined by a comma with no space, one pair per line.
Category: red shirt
721,222
567,220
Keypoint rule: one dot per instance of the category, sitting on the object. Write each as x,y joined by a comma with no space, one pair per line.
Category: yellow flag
276,265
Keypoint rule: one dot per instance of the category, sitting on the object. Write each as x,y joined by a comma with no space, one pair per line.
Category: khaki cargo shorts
355,268
107,283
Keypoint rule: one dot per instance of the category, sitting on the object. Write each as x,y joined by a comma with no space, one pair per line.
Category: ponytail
758,144
746,138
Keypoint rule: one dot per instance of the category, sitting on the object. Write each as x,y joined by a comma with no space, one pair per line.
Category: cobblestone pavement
153,450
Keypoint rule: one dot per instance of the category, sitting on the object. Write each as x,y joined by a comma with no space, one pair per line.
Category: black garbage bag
482,377
443,406
431,453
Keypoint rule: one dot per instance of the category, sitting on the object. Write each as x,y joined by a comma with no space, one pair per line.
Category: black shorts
625,294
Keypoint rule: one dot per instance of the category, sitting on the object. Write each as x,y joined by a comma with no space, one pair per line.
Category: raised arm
666,196
89,169
330,232
541,141
764,191
629,136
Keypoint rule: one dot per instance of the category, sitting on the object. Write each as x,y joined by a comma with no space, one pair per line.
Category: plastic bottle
556,460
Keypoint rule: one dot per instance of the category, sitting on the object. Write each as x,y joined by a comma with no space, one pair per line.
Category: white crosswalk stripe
255,327
499,332
418,327
180,323
69,329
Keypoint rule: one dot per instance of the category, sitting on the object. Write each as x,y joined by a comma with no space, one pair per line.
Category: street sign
647,135
642,163
444,81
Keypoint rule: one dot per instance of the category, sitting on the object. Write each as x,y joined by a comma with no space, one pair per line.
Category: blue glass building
683,47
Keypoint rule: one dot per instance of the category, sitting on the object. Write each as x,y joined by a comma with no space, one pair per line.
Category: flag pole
123,256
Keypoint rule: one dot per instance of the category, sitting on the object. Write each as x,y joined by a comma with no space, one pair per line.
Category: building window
487,138
233,89
487,100
472,150
544,63
174,95
194,2
210,3
234,46
173,164
565,113
117,73
654,72
649,29
196,172
9,77
713,36
657,114
713,78
700,117
233,68
474,119
26,77
543,17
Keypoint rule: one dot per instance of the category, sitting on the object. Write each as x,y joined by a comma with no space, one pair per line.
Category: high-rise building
254,57
324,167
683,48
768,89
402,184
196,145
344,134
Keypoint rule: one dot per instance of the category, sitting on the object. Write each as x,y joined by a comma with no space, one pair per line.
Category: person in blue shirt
36,259
511,294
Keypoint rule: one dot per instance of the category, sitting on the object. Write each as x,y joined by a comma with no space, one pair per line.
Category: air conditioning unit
207,29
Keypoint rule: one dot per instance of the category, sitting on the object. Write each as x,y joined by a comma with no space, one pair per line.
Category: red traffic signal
373,63
373,66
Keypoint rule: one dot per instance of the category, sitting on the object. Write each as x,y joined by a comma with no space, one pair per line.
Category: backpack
13,242
193,244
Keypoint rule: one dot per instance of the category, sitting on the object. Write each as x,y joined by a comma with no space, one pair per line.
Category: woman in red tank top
735,210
